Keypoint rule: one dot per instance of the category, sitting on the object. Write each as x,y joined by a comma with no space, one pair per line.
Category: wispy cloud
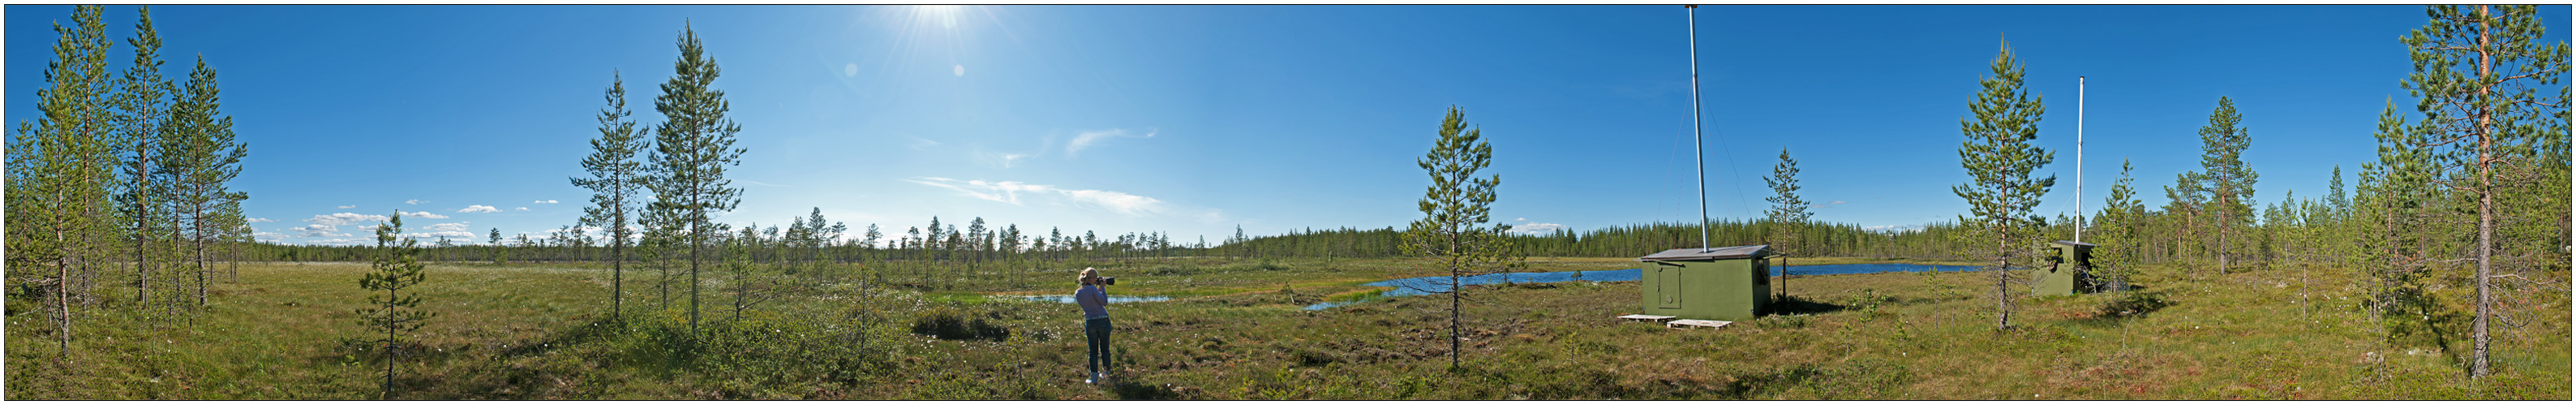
344,218
523,208
412,201
349,206
1087,138
268,236
1123,203
479,208
454,235
455,227
336,241
258,220
920,144
423,214
553,201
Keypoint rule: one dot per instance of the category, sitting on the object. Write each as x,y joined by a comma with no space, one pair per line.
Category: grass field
1235,331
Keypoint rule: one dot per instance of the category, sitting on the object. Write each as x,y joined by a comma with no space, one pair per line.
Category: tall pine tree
2230,182
691,149
2000,160
2480,75
615,180
1456,228
1788,212
204,155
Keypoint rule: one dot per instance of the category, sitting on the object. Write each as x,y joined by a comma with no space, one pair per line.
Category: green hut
2068,270
1727,284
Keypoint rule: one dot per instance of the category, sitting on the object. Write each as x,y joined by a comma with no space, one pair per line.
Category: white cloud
479,208
268,236
1838,202
1893,228
1090,137
545,202
455,227
412,201
259,220
1535,228
523,208
318,231
1009,192
344,218
423,214
349,206
338,241
432,236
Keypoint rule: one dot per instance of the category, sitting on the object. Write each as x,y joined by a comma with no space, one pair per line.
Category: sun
946,16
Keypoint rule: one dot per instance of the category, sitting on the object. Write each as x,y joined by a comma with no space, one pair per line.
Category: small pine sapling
396,311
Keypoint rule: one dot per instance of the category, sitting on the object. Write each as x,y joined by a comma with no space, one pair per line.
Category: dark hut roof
2069,242
1729,252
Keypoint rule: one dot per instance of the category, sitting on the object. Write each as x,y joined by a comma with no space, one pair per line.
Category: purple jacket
1095,303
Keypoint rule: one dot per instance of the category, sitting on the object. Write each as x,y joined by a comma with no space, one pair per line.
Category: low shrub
947,324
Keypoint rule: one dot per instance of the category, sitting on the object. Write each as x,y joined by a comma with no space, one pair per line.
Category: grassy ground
1235,331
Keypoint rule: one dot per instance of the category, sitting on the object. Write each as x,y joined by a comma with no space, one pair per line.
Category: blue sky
1196,119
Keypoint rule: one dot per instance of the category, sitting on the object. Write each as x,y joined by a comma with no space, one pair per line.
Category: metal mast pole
1699,153
2079,159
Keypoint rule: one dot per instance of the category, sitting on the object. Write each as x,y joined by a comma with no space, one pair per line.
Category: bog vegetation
2442,272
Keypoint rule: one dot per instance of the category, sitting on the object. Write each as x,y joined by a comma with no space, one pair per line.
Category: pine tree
2000,158
58,169
2230,180
615,179
2117,230
141,141
1456,208
202,157
975,237
397,269
2479,73
691,149
498,256
1788,213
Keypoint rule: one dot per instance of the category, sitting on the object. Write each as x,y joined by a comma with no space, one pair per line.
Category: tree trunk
2485,132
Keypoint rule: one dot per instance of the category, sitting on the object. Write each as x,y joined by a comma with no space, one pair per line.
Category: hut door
1668,285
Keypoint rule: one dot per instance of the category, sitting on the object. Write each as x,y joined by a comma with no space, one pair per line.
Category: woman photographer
1095,323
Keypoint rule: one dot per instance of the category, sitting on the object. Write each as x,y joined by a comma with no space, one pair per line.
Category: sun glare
945,15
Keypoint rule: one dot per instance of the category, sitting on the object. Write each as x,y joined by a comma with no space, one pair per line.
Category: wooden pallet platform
1644,317
1696,323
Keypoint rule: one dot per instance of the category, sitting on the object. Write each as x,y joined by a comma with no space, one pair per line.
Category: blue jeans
1096,331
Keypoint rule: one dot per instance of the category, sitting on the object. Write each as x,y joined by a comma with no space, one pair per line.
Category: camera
1108,281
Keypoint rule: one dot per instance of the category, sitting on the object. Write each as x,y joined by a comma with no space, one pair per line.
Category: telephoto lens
1109,280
